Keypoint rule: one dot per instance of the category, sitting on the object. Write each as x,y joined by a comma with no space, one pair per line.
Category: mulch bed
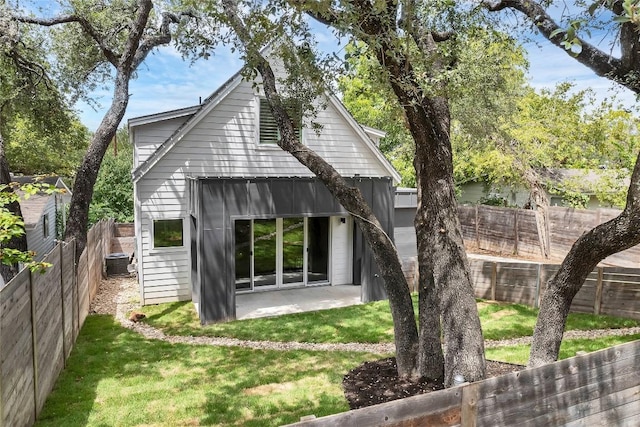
377,382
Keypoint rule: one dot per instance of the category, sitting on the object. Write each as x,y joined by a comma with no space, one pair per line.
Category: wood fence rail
40,318
614,291
514,231
600,388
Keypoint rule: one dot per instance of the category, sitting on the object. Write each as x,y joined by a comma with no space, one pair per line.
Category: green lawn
115,377
370,323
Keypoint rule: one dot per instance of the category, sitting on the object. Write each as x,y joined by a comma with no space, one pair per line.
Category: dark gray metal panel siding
282,191
260,198
224,200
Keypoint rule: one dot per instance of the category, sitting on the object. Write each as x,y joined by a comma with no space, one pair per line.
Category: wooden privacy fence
40,317
607,290
600,388
515,232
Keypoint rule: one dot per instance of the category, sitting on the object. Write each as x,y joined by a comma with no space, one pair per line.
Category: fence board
517,282
82,280
67,273
493,234
17,405
49,328
40,316
600,388
482,277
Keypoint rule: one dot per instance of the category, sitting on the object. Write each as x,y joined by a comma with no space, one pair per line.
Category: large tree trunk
442,247
441,251
87,173
613,236
18,242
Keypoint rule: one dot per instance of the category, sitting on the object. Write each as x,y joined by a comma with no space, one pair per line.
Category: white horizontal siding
147,138
341,251
35,236
224,143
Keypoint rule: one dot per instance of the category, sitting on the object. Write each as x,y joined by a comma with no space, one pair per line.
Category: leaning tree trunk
613,236
87,173
17,242
384,251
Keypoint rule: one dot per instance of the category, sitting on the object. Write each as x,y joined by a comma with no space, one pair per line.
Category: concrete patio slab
275,303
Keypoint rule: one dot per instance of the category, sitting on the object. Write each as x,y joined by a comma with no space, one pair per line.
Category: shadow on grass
117,377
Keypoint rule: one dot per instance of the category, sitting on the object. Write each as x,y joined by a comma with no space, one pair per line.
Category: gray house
220,209
40,213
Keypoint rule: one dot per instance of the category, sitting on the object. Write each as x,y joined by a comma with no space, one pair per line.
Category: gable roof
201,111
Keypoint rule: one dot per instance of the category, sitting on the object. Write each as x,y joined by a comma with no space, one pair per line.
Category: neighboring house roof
199,112
33,207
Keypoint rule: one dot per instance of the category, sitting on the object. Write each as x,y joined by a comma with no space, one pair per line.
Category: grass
519,354
116,377
366,323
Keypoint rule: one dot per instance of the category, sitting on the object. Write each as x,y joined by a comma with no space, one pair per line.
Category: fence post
63,307
34,347
494,279
536,301
515,231
477,227
597,303
469,410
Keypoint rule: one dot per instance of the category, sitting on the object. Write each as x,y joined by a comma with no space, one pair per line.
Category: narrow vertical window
45,225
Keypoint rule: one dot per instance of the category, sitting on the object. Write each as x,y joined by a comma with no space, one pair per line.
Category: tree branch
601,63
66,19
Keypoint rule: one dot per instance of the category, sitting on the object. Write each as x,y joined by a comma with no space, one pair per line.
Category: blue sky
166,82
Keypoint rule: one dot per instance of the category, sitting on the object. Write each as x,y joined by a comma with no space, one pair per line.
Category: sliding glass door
281,252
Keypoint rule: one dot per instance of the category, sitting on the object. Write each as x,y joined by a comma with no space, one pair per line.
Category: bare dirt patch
377,382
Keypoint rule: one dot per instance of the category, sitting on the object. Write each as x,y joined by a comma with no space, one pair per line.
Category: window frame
155,248
261,107
45,226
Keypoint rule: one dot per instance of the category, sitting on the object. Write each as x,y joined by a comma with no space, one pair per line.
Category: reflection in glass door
264,252
243,240
318,248
292,251
281,252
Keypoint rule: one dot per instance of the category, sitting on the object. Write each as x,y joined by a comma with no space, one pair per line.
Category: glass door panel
243,254
264,252
292,250
318,250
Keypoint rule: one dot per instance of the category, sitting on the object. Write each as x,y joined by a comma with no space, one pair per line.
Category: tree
251,35
623,231
417,46
477,113
26,91
98,43
52,150
113,191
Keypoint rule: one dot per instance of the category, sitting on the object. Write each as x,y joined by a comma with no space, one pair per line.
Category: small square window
167,233
269,131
